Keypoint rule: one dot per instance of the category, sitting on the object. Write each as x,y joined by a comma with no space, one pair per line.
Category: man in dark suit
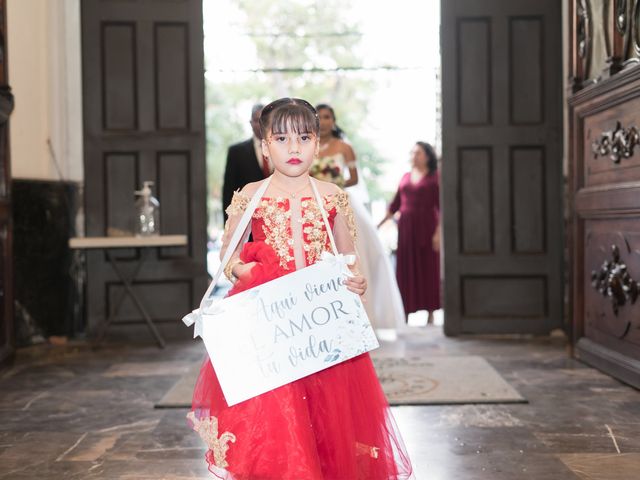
245,163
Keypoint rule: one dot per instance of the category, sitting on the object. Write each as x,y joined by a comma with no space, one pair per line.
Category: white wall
45,75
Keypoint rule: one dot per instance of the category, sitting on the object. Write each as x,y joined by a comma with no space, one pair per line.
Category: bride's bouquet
327,169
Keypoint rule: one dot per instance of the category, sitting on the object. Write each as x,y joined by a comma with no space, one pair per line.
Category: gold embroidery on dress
277,228
314,230
208,431
239,203
363,449
340,201
277,224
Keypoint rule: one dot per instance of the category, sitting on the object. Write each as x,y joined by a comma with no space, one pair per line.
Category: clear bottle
147,212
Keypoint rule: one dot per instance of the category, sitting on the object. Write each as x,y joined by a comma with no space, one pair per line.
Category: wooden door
7,345
502,165
143,95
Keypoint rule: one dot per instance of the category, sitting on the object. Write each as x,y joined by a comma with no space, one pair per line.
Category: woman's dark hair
289,113
336,131
432,159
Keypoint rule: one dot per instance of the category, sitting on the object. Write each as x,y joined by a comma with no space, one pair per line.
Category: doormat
412,380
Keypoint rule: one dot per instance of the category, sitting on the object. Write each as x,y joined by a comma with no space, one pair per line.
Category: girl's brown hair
286,114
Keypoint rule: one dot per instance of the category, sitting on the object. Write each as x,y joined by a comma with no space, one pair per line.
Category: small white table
144,243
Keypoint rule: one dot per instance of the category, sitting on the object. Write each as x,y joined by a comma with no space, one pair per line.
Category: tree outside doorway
346,53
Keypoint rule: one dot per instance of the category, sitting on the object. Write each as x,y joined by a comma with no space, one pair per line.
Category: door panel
502,165
143,90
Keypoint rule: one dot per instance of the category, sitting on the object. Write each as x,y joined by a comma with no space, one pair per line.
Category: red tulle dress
333,425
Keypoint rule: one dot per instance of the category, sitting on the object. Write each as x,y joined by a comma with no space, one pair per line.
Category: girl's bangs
294,118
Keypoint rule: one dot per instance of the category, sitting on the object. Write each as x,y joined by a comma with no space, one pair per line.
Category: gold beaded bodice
274,218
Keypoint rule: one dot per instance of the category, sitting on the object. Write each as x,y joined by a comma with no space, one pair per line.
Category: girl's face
418,157
327,122
291,153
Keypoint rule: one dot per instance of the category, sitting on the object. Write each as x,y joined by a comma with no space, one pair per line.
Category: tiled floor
76,412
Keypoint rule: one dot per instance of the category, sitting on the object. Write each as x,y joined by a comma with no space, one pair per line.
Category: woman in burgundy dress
418,256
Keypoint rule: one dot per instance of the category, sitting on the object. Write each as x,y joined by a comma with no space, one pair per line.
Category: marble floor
83,412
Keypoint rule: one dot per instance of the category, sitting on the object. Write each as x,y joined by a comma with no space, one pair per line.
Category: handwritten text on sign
284,330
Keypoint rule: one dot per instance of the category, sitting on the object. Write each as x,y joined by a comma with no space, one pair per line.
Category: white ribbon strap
342,259
195,317
323,212
238,234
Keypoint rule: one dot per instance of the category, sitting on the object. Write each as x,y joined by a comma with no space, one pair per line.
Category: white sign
286,329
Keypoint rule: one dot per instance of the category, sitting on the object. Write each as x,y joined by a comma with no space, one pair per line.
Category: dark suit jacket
242,168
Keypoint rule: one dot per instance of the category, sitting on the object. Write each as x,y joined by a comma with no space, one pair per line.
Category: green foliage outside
290,50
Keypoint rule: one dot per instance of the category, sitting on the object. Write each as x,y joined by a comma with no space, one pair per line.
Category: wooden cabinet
604,183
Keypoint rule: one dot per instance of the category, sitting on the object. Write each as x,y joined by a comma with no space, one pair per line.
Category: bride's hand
387,217
384,220
356,284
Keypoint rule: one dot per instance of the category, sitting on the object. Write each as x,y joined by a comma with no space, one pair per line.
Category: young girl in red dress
332,425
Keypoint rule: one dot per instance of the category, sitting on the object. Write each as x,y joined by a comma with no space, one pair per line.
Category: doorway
385,88
502,129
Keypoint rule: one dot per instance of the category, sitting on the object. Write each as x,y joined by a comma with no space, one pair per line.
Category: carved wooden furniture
604,184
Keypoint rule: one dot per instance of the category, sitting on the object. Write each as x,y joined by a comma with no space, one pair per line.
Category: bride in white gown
336,158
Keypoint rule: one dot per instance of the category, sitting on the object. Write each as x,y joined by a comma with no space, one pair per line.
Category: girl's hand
356,284
242,269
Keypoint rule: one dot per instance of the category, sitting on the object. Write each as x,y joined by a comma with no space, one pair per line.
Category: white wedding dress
382,300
